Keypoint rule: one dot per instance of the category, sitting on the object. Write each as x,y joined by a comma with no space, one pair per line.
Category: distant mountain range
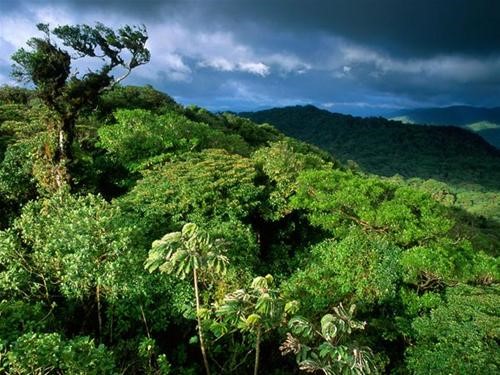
385,147
483,121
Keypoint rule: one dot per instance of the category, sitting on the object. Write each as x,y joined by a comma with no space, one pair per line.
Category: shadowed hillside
483,121
387,148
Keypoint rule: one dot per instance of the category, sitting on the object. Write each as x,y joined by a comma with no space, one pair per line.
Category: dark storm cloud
423,27
361,56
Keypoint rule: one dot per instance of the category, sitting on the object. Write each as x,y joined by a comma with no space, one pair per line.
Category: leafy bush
362,268
140,134
460,336
38,353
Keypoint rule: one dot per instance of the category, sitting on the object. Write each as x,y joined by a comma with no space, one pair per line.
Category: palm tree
186,253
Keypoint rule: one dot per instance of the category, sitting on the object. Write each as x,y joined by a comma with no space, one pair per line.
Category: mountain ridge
387,147
463,114
484,121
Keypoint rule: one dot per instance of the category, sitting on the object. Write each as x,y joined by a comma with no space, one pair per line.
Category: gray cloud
425,27
362,56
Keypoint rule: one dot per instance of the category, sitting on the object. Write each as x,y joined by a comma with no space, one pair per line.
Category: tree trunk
257,352
99,317
200,331
64,155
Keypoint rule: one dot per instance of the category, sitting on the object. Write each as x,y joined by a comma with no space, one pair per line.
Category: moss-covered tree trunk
63,157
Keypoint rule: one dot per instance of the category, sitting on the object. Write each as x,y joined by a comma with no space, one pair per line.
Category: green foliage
135,97
183,252
387,148
445,262
241,245
14,95
140,134
76,243
459,336
257,310
15,276
65,92
34,353
189,252
200,186
363,267
48,66
255,135
45,65
17,182
328,348
153,364
417,257
336,200
259,307
28,165
18,317
476,209
281,166
18,123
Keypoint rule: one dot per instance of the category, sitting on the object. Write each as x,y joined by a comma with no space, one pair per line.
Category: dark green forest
454,165
140,236
483,121
384,147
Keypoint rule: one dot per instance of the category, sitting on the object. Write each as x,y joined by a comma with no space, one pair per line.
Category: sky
364,57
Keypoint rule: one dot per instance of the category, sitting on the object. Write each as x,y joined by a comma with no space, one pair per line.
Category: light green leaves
459,336
75,244
182,252
140,135
301,327
281,165
261,306
364,266
197,187
291,307
447,262
189,231
328,348
162,250
253,320
190,252
262,283
337,200
329,327
44,353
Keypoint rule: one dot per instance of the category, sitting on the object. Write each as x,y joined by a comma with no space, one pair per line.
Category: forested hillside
455,166
386,148
163,239
483,121
75,294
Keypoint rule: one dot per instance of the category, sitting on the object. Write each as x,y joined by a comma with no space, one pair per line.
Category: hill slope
387,147
484,121
422,271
